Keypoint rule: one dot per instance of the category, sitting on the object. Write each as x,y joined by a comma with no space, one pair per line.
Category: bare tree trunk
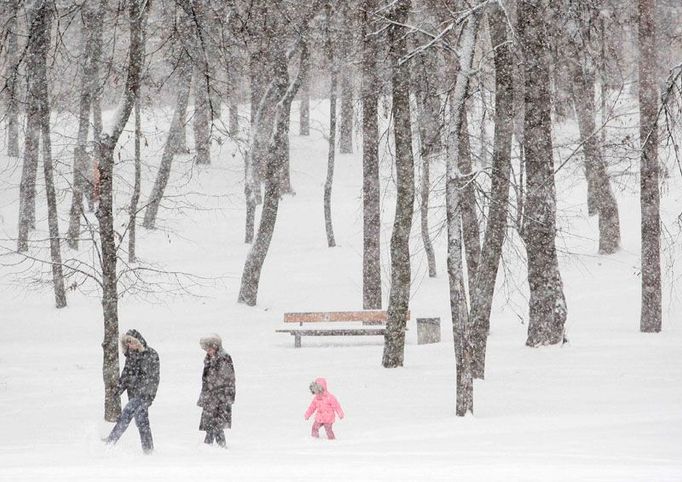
184,82
12,48
426,84
233,76
346,121
547,306
605,201
304,110
399,297
80,157
96,101
27,187
332,139
461,323
248,292
484,286
346,124
651,313
202,116
371,208
132,209
424,214
41,20
467,200
105,212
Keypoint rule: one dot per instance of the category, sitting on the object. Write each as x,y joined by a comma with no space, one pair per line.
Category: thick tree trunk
461,323
371,208
248,292
399,297
467,199
651,313
107,234
496,227
604,200
162,176
105,210
12,67
547,306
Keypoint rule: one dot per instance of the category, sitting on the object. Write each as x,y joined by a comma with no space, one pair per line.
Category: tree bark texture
27,186
248,292
329,229
346,121
426,84
12,67
467,199
41,19
399,297
651,312
163,175
598,177
135,199
92,23
484,286
547,305
371,203
105,212
461,322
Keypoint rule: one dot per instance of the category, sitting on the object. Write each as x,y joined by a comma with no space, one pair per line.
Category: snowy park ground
607,406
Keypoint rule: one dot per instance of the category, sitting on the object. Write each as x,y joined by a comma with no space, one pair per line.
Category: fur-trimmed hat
128,338
211,341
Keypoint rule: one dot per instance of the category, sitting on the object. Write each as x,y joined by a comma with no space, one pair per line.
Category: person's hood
323,383
134,335
211,341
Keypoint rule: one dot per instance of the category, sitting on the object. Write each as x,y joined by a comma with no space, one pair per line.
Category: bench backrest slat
377,316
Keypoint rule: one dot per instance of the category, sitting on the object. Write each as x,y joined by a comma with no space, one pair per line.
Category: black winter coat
141,372
217,392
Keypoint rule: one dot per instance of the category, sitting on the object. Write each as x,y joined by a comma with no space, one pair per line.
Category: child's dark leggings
217,435
327,427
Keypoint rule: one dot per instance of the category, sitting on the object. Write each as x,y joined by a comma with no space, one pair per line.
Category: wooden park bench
373,323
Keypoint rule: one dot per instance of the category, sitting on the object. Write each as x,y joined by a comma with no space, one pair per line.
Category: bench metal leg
297,340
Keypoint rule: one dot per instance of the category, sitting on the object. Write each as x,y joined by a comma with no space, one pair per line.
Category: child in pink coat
325,406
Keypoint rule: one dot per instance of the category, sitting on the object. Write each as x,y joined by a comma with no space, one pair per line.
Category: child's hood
323,383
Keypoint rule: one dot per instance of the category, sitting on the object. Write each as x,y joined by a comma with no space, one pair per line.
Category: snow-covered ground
607,406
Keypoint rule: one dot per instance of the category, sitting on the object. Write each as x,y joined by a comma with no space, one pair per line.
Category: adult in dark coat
140,377
217,390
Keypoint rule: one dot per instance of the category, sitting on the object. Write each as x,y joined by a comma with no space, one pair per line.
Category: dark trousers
217,435
139,410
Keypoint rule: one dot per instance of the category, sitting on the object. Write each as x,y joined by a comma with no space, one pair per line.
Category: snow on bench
370,318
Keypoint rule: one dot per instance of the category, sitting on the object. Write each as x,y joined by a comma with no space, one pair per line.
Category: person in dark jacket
140,377
217,390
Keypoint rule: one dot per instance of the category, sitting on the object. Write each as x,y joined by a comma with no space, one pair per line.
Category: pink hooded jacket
324,405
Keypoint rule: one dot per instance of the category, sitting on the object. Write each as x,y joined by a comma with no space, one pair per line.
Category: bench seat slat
369,316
